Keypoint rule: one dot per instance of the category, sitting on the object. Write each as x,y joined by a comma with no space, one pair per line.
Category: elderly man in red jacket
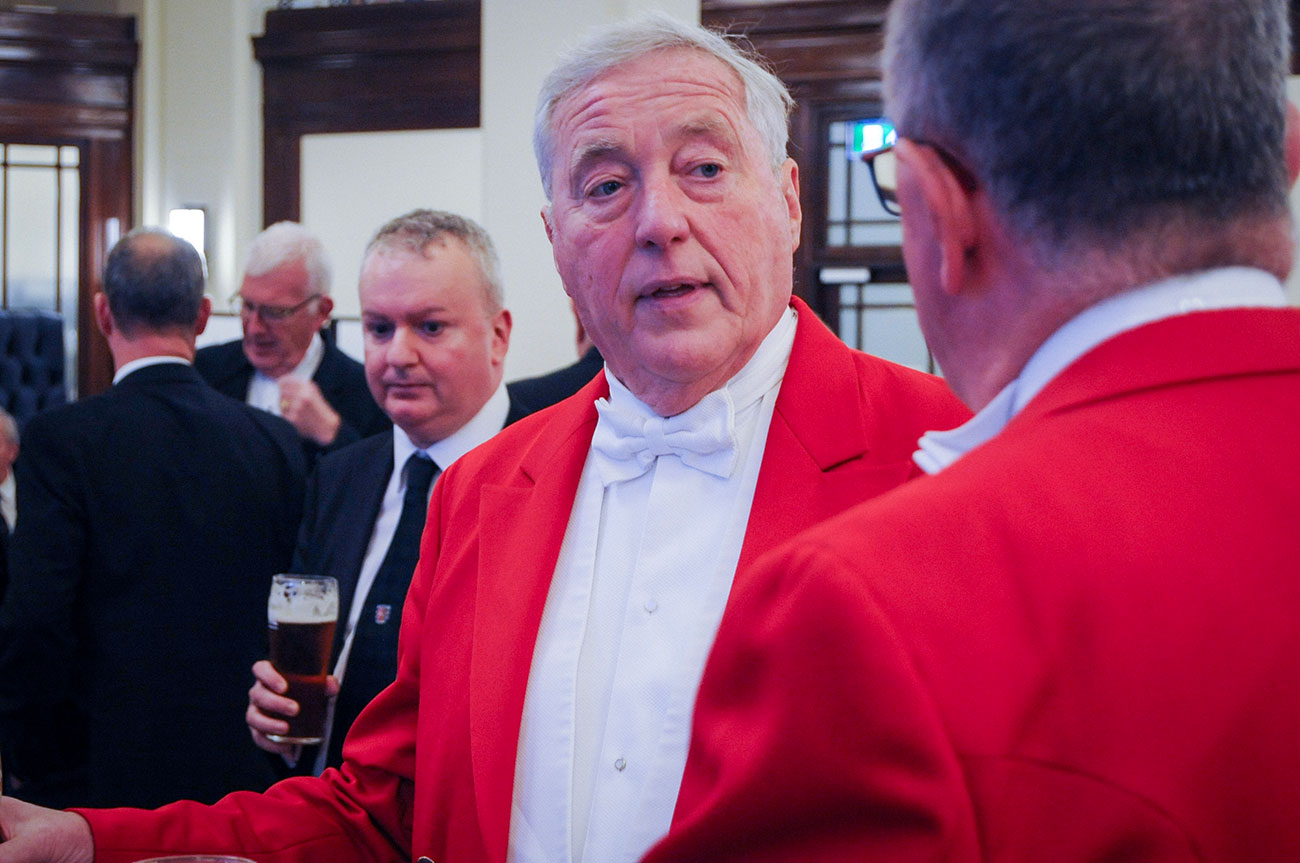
575,569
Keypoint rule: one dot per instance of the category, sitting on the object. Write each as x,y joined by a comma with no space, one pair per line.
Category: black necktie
372,661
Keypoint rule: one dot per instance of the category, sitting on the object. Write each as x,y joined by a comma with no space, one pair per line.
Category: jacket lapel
363,494
817,458
521,525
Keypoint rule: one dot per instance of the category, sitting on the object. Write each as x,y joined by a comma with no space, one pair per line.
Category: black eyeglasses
874,141
882,162
268,312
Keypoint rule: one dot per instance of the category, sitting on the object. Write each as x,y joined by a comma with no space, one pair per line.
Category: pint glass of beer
301,615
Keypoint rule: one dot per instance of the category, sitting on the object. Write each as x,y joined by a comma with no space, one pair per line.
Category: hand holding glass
301,615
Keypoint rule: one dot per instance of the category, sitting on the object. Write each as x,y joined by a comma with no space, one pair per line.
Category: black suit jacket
545,390
344,495
342,381
153,517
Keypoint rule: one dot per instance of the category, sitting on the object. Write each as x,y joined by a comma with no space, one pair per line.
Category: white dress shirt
487,422
9,500
639,590
1224,288
264,391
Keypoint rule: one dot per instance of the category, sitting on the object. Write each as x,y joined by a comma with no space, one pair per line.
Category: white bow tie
627,442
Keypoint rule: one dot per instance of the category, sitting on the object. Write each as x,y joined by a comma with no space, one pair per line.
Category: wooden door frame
369,68
69,79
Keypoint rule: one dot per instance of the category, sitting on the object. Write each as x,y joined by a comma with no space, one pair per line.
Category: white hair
286,243
767,101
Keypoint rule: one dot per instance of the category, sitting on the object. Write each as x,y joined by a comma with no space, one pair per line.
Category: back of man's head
154,283
1091,122
285,243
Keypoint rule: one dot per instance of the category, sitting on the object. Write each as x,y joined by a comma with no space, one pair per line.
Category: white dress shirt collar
143,362
748,385
1224,288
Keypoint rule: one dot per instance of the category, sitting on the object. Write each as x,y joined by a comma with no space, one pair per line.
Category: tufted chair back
31,362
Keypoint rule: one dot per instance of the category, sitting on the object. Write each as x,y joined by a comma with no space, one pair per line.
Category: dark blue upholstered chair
31,362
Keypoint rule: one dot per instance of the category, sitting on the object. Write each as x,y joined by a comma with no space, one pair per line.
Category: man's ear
205,311
546,223
501,325
103,316
790,191
939,196
1291,142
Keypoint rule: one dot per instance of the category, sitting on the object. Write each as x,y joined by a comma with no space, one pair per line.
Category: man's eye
605,189
709,170
431,328
379,331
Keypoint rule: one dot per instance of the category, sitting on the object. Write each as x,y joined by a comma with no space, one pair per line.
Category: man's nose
401,348
662,217
253,323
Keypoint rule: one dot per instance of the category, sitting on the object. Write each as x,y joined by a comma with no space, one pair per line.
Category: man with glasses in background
282,364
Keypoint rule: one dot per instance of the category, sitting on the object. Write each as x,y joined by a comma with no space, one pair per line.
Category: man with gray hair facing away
282,364
1077,639
574,569
154,515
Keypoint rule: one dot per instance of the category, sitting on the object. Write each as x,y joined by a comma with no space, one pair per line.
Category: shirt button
619,765
651,606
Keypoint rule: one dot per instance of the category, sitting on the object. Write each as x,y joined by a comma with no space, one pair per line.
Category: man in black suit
154,515
282,364
436,335
555,386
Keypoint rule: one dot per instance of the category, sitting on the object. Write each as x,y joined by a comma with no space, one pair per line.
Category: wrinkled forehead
683,91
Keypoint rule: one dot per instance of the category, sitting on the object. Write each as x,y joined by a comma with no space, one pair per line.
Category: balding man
154,515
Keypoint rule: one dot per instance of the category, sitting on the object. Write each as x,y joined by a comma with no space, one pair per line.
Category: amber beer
301,615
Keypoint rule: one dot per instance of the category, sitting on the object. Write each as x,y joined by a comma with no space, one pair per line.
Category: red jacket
1080,642
430,764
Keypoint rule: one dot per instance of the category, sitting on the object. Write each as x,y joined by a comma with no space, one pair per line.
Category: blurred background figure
545,390
154,515
283,365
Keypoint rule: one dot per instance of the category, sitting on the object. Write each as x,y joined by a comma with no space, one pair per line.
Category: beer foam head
303,600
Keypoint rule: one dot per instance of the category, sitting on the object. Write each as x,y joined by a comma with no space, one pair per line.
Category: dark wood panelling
384,67
68,79
1295,36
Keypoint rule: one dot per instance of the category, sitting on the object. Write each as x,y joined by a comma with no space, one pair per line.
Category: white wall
353,183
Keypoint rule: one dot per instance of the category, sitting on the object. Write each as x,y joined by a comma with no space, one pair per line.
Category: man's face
434,352
671,231
275,347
